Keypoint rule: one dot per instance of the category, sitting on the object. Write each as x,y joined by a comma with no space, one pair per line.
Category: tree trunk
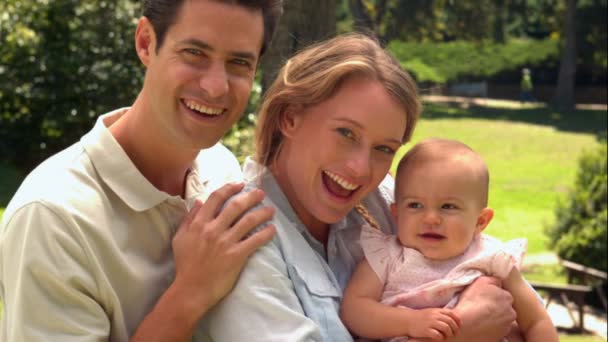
363,21
563,99
500,35
303,22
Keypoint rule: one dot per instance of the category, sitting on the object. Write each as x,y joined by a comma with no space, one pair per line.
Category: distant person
526,86
409,283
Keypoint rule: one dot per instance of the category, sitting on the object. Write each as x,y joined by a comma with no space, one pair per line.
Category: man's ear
484,219
145,40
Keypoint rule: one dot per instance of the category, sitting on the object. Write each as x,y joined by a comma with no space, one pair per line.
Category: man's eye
241,62
193,52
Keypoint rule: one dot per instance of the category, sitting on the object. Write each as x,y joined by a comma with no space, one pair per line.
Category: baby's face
439,208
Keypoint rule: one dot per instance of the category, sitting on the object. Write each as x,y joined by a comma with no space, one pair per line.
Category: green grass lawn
532,156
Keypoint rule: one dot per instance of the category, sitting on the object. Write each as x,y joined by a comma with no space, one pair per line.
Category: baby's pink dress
413,281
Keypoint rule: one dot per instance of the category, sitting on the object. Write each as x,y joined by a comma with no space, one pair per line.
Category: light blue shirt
290,289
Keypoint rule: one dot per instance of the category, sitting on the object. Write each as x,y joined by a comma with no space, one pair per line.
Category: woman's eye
346,133
386,149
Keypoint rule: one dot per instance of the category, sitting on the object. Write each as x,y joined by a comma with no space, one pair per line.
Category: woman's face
337,152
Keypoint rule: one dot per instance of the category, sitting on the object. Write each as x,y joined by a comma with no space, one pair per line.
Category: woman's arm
365,316
533,319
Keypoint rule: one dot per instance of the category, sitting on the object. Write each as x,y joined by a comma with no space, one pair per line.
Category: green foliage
453,61
62,63
580,229
10,179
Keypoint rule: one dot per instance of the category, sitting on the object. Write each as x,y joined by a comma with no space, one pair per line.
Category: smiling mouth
201,109
432,236
338,186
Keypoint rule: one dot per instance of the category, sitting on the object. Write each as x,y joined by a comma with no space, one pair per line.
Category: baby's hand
436,324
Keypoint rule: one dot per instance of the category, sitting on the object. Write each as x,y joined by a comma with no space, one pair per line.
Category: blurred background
523,82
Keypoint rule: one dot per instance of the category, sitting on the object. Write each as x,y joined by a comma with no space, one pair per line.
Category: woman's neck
319,230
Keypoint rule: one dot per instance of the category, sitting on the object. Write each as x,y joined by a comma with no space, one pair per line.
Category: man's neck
164,164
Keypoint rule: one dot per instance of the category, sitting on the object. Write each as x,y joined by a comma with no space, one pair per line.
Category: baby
410,282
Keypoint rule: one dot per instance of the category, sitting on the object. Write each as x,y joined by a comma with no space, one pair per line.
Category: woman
328,130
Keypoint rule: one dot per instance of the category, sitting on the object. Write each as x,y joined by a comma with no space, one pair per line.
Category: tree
62,63
563,100
303,22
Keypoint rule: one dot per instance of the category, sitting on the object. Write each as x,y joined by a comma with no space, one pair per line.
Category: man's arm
209,252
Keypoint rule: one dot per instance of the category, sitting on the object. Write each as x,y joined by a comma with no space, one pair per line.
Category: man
120,235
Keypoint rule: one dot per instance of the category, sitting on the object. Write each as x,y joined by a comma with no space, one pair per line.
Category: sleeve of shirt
47,290
263,305
378,250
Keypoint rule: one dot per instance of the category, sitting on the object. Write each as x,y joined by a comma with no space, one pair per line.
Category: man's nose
214,81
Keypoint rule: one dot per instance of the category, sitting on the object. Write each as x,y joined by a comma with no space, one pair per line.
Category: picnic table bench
568,293
589,279
588,276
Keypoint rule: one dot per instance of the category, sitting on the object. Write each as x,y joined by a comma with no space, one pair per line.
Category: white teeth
203,109
341,181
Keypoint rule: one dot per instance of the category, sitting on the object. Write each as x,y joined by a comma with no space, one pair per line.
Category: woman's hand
486,311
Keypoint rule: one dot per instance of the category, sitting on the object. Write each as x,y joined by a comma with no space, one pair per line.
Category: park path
491,102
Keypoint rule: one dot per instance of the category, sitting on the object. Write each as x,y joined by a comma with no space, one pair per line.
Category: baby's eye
414,205
449,206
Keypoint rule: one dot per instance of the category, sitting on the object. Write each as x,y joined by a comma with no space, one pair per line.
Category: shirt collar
122,176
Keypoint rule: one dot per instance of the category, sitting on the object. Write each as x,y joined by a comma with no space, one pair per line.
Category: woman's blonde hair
316,73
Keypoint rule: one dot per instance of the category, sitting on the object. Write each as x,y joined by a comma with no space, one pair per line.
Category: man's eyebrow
204,46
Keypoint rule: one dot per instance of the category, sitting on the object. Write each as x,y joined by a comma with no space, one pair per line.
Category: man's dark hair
162,14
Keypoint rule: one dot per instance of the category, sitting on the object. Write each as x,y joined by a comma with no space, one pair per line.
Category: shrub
579,233
452,61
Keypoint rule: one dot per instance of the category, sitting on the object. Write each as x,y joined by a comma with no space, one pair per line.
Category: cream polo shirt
85,243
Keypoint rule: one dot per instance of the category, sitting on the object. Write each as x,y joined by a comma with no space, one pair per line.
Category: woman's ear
289,121
145,40
484,219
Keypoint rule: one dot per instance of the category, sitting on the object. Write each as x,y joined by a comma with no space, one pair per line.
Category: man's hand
486,311
209,248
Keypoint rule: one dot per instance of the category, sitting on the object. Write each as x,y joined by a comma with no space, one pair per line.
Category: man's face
198,83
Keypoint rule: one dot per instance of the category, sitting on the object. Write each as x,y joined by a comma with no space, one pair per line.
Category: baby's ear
484,218
394,211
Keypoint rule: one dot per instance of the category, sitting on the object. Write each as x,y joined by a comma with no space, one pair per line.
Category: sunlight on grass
531,166
545,274
580,338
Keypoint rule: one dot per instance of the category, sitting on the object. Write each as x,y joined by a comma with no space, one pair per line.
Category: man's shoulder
62,181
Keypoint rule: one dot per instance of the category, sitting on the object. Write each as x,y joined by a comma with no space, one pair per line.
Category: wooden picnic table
588,278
